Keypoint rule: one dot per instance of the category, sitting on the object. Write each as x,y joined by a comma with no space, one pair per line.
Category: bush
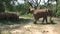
58,14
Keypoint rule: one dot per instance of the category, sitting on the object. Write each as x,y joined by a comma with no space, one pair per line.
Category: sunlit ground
25,25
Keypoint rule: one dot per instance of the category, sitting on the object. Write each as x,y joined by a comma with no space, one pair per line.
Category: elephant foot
35,23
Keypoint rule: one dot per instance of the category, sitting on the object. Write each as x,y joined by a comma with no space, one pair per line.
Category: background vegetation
21,9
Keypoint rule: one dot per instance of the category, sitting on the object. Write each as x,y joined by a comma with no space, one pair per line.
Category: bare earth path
31,28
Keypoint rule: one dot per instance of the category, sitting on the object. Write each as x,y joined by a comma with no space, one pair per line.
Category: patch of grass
27,15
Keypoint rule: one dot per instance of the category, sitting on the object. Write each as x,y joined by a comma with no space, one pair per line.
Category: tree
6,3
58,8
33,3
10,4
22,8
2,7
36,3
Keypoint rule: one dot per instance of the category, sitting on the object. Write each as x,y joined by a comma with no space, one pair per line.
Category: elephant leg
43,20
35,21
50,19
46,20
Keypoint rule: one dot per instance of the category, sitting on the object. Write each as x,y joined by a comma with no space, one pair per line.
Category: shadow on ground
20,21
52,22
47,23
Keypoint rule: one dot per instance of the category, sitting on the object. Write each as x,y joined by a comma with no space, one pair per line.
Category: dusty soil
31,28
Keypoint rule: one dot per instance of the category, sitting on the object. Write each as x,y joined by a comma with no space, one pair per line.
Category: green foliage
58,14
9,6
58,9
2,7
22,8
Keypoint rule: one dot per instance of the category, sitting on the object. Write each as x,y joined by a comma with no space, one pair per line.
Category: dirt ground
31,28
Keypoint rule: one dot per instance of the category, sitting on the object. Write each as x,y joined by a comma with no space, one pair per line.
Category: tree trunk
2,8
